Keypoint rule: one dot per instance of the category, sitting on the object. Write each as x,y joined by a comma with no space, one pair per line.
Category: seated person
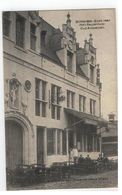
105,159
100,158
87,159
80,159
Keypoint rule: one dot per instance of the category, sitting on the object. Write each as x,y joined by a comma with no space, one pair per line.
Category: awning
87,118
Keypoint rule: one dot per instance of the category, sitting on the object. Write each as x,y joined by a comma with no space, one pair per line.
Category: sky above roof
104,39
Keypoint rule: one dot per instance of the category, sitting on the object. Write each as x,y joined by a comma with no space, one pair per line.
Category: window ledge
71,108
20,48
55,119
93,84
34,52
41,100
56,104
7,37
70,73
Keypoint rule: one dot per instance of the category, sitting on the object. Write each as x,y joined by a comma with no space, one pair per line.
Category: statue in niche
14,92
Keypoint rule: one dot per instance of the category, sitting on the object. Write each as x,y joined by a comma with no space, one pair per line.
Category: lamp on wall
60,98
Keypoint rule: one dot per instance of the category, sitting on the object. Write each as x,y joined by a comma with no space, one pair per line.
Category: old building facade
52,91
110,138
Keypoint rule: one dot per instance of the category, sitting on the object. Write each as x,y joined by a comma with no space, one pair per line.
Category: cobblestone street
101,180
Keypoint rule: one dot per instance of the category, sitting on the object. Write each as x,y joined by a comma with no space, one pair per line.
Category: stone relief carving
16,96
14,86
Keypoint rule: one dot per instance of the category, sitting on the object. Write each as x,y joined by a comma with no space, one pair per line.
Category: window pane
58,141
55,94
91,73
6,25
69,61
6,15
58,113
52,93
50,141
68,99
90,106
43,109
64,142
33,29
20,30
37,107
40,95
82,101
43,90
37,88
32,36
53,111
58,94
72,99
43,36
94,107
84,104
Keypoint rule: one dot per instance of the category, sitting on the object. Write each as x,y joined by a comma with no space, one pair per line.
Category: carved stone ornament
28,86
14,92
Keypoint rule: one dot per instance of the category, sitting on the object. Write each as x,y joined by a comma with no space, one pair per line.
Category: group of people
102,158
74,157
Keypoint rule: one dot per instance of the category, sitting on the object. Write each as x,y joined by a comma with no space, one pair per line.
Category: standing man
75,154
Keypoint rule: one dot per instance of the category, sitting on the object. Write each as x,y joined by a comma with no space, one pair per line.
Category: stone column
100,141
74,138
96,143
60,142
26,147
55,145
93,143
45,145
67,143
82,143
33,145
86,143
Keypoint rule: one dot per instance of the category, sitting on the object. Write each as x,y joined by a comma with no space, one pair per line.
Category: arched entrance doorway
19,139
14,144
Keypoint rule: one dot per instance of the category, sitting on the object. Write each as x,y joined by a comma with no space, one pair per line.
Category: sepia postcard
60,99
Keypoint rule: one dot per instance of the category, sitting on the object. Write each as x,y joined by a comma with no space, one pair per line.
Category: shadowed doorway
14,144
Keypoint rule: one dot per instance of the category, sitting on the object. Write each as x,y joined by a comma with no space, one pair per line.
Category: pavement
100,180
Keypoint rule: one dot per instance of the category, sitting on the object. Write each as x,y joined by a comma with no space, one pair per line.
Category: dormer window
69,61
20,31
6,23
92,60
32,36
91,74
43,35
